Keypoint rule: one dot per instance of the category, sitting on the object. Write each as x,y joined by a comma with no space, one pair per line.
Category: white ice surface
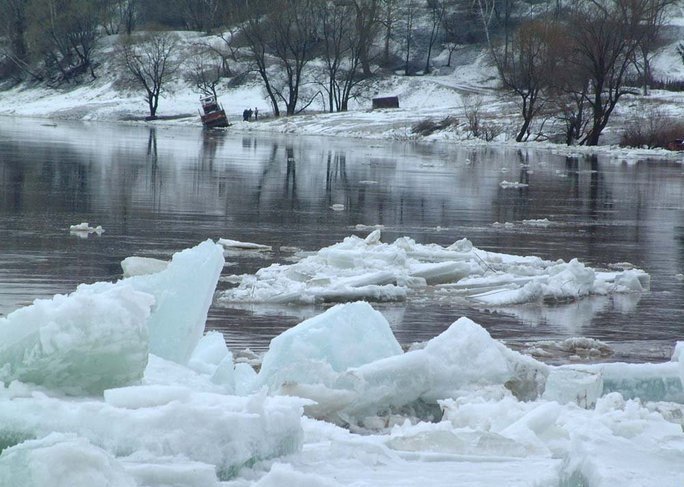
497,417
140,266
367,269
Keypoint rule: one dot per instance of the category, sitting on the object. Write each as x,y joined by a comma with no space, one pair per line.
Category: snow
360,410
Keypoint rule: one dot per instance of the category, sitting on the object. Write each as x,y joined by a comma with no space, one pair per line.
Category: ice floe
369,269
461,406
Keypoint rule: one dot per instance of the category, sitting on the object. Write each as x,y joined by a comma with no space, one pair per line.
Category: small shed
386,102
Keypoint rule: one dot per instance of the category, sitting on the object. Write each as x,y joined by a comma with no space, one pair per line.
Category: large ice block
156,422
61,460
93,339
183,293
318,349
463,356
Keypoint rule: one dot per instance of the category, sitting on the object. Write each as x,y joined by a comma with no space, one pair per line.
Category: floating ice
648,382
570,385
90,340
227,243
510,184
61,460
142,266
183,293
318,349
156,422
84,227
463,356
367,269
496,417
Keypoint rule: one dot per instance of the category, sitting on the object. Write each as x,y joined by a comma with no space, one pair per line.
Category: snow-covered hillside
446,92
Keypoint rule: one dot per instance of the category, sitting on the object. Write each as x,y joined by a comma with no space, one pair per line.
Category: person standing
256,113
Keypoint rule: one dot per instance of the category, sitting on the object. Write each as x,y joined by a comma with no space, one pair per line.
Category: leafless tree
409,16
527,68
650,40
117,15
281,37
436,9
63,34
388,20
341,54
367,22
149,60
256,30
604,35
206,70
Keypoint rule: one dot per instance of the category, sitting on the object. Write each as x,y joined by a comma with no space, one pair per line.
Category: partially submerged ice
368,269
183,293
100,335
151,422
85,342
354,373
320,348
462,406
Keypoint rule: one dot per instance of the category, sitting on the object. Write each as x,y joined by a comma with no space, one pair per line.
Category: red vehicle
214,115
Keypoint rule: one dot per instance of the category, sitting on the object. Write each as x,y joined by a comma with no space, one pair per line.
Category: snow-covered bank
461,405
434,98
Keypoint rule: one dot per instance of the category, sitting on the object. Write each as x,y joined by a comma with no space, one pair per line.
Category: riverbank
433,108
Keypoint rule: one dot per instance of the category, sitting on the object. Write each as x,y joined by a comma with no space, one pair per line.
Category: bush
429,126
652,130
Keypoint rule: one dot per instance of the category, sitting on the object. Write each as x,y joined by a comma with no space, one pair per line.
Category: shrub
429,126
652,130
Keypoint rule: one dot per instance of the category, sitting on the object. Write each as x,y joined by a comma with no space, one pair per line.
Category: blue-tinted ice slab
100,335
648,382
318,349
568,384
82,343
183,293
318,362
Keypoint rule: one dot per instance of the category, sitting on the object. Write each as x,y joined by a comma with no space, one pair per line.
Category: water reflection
157,190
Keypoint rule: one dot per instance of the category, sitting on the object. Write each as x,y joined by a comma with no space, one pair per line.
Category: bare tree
64,33
294,37
257,34
604,35
388,20
149,60
341,54
436,8
650,39
206,70
15,30
117,15
526,69
410,10
367,21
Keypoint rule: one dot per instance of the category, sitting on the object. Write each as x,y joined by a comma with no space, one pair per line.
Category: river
157,190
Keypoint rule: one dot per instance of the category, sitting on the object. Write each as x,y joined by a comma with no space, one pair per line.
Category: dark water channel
157,191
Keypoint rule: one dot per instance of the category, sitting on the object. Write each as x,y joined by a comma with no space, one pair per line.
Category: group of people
247,114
